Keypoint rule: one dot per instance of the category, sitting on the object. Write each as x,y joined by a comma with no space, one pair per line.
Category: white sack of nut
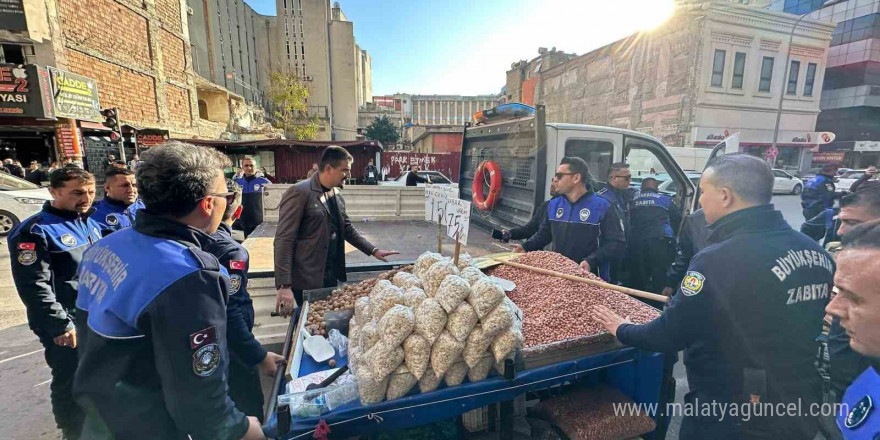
557,310
409,337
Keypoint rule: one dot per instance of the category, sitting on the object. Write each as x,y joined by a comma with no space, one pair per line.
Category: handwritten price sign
444,208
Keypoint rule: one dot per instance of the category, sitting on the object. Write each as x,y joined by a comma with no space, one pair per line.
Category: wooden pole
614,287
457,247
439,238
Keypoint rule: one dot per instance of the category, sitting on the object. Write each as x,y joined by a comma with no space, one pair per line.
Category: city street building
709,71
851,92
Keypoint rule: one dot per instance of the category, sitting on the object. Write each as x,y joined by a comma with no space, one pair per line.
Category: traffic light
111,118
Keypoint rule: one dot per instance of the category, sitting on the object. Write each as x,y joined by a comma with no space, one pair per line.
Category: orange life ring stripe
482,201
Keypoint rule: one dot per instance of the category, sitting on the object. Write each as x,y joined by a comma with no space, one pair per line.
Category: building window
766,74
718,68
811,79
739,67
793,78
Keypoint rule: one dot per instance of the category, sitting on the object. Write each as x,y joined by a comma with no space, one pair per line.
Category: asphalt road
24,378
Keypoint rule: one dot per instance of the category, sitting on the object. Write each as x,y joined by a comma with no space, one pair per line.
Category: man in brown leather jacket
312,230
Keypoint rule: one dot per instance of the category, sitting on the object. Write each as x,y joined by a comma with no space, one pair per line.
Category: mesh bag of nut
445,352
481,369
430,320
417,354
485,296
429,381
396,325
425,261
456,374
414,296
476,345
400,382
435,275
452,291
461,321
405,280
472,274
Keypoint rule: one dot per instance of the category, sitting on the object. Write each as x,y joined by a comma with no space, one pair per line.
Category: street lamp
787,69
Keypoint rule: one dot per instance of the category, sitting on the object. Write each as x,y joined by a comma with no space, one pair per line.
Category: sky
464,47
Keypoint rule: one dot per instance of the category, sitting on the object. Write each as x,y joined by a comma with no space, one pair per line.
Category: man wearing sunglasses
252,187
617,190
154,354
581,225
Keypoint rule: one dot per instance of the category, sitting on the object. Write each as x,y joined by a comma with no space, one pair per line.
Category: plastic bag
425,261
498,320
396,325
430,320
475,347
362,309
461,321
414,296
505,343
369,336
472,275
384,358
435,275
485,296
464,260
417,354
384,300
445,352
453,290
481,369
406,280
456,374
429,381
338,341
400,382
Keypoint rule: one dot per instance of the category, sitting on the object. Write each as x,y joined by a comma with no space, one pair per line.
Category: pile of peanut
555,309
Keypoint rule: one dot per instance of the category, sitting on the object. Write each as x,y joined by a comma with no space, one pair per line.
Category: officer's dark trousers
62,363
244,387
650,259
757,427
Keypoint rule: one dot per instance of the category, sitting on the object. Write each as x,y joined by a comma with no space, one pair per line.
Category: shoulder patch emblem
584,214
559,212
692,283
111,220
68,240
27,257
829,187
206,360
859,412
234,283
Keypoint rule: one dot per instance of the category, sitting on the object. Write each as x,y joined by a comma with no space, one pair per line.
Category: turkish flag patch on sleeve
236,264
203,337
27,246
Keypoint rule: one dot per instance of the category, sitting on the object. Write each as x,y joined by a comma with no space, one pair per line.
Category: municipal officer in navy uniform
616,190
46,250
247,358
581,225
747,312
253,187
155,357
819,193
857,307
120,193
653,219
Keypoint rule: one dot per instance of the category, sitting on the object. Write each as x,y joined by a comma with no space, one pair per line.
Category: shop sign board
24,92
12,16
867,146
830,157
75,96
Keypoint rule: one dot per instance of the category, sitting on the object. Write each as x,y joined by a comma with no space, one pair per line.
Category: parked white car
435,177
846,180
785,183
19,199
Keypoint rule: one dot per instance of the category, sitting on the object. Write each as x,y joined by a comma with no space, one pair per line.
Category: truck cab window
597,154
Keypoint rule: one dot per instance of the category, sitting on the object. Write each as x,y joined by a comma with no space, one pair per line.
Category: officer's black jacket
154,360
819,194
252,188
621,199
240,308
691,240
45,251
754,298
653,215
586,230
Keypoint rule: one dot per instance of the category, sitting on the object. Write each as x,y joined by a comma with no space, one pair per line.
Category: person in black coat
747,313
414,179
247,358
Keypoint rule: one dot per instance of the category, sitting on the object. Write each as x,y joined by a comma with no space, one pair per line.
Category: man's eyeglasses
559,176
229,196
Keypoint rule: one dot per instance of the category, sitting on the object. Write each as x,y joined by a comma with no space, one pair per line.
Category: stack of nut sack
556,311
441,322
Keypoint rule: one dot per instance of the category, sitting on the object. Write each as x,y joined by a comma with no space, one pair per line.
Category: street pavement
25,411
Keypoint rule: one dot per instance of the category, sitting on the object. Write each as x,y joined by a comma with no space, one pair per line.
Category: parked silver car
19,199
